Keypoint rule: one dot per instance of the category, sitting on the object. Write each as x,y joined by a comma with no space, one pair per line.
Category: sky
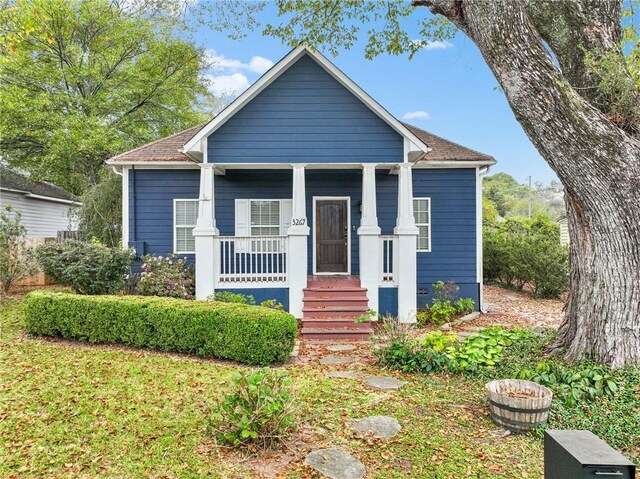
446,89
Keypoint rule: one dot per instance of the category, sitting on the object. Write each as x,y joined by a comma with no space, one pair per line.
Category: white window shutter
242,218
286,211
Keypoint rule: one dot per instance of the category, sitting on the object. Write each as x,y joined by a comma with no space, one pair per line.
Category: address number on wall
298,221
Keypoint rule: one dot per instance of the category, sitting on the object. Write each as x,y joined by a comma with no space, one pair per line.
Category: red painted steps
330,307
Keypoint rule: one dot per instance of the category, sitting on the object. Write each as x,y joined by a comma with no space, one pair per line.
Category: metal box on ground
582,454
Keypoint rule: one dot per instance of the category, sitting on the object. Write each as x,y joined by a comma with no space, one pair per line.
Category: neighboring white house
564,231
45,208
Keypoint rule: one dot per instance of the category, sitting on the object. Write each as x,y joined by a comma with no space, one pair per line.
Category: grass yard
72,410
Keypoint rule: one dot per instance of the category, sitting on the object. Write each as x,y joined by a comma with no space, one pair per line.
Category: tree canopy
82,80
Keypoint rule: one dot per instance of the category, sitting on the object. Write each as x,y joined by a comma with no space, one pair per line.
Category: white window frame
176,226
428,225
279,225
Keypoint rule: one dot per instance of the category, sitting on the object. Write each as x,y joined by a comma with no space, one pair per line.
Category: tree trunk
597,162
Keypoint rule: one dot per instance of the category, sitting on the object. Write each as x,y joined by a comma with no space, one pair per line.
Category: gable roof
19,182
165,149
445,150
169,149
194,145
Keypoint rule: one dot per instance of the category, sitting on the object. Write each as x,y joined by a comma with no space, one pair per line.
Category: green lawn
72,410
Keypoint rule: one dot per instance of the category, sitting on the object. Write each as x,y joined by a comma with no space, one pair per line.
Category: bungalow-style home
305,190
45,209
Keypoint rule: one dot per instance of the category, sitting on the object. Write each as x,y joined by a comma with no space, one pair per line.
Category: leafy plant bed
247,334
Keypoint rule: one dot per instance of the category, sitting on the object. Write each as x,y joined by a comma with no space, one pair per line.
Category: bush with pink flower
167,276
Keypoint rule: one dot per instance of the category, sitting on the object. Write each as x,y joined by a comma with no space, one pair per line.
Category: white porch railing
387,260
251,260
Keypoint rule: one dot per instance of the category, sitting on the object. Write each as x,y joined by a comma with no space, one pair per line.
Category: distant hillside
511,198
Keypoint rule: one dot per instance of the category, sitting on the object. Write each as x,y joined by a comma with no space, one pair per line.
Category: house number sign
298,221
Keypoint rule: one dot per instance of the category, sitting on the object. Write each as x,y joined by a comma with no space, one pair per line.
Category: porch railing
387,260
251,260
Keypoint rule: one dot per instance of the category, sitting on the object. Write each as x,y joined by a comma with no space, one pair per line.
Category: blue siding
453,231
263,294
151,198
305,116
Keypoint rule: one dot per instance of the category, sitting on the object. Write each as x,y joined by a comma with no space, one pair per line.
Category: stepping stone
384,427
331,360
343,374
383,382
335,464
340,347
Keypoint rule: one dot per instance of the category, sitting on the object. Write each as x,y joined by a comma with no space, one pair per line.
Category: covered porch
349,220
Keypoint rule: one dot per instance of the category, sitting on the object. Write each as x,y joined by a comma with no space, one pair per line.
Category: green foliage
81,81
16,260
100,215
273,304
231,297
167,276
88,268
524,252
259,411
572,385
366,316
484,349
439,341
411,357
247,334
444,306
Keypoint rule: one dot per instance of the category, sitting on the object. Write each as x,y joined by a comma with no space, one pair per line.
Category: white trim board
314,231
195,146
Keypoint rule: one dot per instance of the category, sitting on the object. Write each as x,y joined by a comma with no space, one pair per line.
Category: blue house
307,191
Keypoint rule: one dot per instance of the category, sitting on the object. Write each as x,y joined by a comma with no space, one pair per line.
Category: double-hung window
185,216
422,215
265,218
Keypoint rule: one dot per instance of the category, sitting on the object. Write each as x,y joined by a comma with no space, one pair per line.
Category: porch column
298,232
406,261
206,234
369,233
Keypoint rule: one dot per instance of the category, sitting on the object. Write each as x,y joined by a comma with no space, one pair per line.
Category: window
422,215
265,218
185,216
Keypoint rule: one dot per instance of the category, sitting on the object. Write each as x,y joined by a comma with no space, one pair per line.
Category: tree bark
597,162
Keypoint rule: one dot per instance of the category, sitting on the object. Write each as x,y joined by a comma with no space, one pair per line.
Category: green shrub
464,305
248,334
230,297
259,411
483,349
439,341
86,267
167,276
273,304
16,259
523,252
444,306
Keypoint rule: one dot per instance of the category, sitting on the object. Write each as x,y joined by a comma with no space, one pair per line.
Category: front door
332,235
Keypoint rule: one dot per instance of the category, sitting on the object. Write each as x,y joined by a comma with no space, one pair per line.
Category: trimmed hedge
247,334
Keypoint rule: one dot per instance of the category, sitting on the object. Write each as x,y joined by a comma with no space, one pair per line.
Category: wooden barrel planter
518,405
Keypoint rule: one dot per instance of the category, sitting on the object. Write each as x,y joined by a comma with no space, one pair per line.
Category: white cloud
416,115
434,45
233,84
256,64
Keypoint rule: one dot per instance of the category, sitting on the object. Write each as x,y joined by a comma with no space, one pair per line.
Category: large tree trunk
597,162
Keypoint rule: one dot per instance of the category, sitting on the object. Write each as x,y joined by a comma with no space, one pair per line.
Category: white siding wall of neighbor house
41,217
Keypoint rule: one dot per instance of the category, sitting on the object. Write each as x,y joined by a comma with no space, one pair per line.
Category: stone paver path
333,360
384,427
335,464
343,374
341,347
383,382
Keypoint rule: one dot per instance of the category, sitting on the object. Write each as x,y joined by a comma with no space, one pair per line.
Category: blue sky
448,88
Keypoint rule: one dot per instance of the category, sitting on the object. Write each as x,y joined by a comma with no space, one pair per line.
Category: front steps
331,304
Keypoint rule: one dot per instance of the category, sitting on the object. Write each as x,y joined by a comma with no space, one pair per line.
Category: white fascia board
453,164
275,72
55,200
174,165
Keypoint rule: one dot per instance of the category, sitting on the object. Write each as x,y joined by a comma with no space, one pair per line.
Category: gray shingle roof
168,149
12,180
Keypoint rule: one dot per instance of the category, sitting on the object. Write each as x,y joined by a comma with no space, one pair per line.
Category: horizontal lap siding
151,195
41,218
453,230
305,116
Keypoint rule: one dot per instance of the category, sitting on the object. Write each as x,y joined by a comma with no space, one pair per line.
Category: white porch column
406,261
206,234
298,233
369,233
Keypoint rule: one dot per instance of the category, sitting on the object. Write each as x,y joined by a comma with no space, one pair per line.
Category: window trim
428,225
176,226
